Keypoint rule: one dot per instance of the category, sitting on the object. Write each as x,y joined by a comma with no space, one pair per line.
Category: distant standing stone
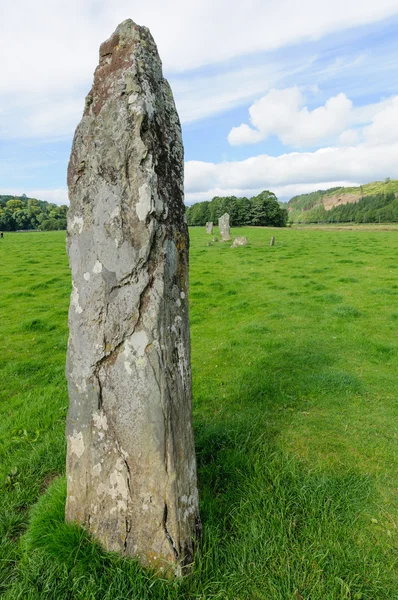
131,470
272,242
240,241
223,225
209,227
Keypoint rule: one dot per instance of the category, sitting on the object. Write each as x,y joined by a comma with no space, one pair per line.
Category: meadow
294,358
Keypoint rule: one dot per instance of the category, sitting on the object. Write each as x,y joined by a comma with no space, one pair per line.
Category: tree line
21,212
261,210
375,208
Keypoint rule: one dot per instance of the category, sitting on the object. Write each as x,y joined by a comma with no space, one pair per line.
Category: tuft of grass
37,325
347,312
257,328
348,280
330,298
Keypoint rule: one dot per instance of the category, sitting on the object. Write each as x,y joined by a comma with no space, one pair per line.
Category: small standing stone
215,239
209,227
223,225
272,242
240,241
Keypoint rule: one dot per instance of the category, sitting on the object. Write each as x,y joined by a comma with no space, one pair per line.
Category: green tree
266,210
15,204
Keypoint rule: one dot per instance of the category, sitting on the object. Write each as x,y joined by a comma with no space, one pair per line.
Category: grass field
294,357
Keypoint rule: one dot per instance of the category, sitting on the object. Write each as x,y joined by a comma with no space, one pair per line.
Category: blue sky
266,102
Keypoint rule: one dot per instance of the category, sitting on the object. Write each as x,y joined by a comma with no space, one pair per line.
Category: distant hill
371,202
21,212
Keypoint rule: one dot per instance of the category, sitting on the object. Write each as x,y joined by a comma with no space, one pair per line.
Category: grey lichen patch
76,444
131,467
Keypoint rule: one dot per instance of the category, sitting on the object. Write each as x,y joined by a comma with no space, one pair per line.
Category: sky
281,95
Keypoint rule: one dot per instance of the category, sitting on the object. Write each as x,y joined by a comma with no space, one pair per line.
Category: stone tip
128,33
128,26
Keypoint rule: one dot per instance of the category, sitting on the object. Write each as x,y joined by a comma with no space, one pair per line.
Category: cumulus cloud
385,124
281,113
323,168
349,137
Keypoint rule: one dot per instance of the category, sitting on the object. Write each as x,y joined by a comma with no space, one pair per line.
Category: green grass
294,356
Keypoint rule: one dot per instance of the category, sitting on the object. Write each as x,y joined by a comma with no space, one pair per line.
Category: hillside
21,212
375,201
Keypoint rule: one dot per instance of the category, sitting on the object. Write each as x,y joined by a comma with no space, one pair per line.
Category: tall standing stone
223,225
131,470
209,227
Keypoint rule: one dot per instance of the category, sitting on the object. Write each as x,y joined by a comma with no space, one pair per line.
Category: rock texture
131,470
240,241
209,227
223,225
272,242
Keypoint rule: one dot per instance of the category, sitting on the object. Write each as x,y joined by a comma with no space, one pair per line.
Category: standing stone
272,242
223,225
209,227
131,470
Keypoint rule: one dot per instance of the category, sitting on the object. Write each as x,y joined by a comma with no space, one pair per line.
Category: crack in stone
128,529
167,533
127,468
100,397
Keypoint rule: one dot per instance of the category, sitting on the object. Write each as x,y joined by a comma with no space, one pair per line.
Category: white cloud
53,43
49,49
281,113
283,192
349,137
61,117
385,124
206,95
326,167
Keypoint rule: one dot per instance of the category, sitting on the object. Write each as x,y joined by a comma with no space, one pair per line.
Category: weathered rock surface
272,242
223,226
209,227
131,470
240,241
